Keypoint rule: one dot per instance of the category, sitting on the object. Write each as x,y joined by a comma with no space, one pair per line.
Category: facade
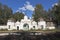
27,24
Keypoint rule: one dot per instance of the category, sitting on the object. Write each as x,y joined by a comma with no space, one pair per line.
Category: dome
25,17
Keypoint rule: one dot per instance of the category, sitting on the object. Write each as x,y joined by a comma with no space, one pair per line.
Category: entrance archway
26,26
33,27
17,27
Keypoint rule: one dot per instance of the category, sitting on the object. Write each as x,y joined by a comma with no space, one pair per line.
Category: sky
27,6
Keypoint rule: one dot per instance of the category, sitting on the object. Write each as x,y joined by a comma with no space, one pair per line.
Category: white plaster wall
42,23
17,24
12,25
34,24
21,26
51,27
3,27
30,26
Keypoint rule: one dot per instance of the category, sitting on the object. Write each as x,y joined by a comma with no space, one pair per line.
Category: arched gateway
26,26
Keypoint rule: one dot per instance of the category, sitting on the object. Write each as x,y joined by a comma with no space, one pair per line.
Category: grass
38,30
45,31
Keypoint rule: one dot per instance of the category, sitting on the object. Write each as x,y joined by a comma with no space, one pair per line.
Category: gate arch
26,26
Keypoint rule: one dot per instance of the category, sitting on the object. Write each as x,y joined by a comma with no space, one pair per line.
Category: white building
27,24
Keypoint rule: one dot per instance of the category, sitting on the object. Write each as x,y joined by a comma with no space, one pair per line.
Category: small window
9,26
41,26
34,27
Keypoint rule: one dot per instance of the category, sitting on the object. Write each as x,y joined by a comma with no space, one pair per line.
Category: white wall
51,27
42,23
34,24
3,27
12,25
